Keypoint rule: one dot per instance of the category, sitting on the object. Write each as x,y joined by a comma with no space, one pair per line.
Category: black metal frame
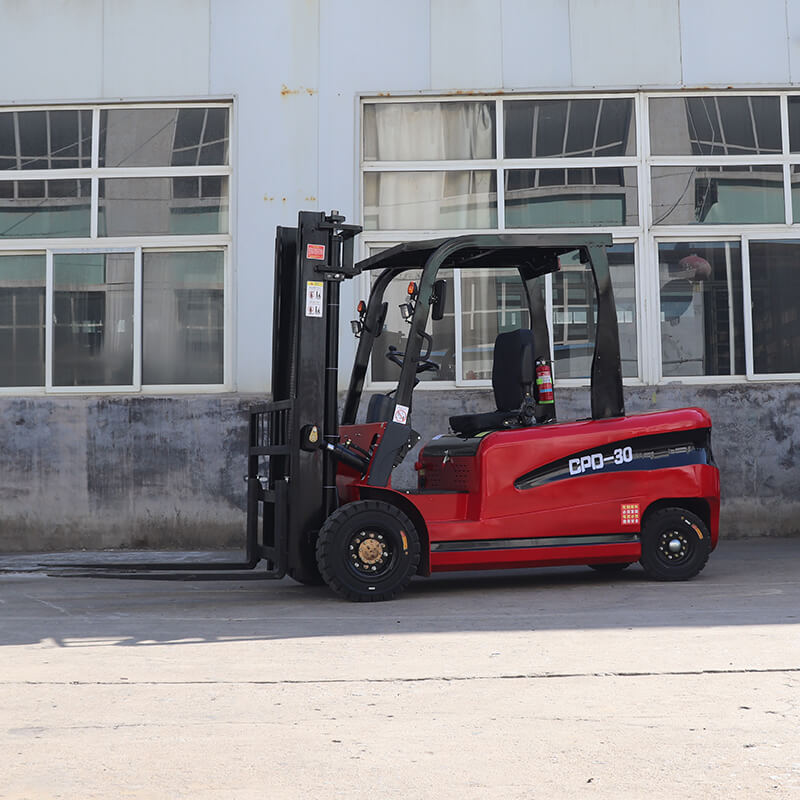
534,255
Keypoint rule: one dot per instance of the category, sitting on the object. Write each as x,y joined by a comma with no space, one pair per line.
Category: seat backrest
513,368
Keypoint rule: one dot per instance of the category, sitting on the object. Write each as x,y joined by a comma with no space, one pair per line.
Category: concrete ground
535,684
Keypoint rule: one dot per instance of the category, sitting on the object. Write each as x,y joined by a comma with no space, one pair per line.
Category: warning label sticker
313,298
316,252
401,414
630,513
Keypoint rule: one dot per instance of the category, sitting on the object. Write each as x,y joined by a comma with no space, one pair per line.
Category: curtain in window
434,132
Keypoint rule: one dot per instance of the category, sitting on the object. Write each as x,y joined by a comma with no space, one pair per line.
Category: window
503,164
114,246
22,304
650,168
775,297
700,287
575,313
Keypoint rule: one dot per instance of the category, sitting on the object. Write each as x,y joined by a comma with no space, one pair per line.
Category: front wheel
675,544
368,550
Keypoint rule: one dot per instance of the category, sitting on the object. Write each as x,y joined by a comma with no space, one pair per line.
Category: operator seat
513,371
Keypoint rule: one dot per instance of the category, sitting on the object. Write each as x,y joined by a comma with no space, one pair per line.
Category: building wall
122,470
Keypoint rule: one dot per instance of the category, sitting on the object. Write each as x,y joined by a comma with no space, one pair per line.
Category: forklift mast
291,491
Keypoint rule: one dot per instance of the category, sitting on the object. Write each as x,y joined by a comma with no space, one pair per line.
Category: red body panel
472,500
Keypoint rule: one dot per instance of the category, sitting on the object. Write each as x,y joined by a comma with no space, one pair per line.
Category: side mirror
439,299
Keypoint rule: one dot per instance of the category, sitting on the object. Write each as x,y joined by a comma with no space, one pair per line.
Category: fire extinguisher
544,382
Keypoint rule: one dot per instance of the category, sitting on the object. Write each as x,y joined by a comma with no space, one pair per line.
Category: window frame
645,236
138,244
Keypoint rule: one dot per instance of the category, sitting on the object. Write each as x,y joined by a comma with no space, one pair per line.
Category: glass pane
22,317
702,332
493,301
775,293
164,137
156,206
569,128
561,198
395,332
93,319
428,131
430,200
575,313
715,126
183,317
47,209
717,195
45,139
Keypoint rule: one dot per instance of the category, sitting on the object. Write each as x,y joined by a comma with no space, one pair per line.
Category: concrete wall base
167,472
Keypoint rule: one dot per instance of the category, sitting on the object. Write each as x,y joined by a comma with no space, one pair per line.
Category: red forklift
509,486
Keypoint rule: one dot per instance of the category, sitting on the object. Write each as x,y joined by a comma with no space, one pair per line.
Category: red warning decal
315,252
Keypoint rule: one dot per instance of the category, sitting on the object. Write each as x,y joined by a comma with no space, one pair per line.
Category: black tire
368,550
611,569
675,544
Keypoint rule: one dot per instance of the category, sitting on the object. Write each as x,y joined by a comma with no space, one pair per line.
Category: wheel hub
673,545
369,552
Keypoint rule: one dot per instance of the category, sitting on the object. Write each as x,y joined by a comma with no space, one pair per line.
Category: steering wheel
396,357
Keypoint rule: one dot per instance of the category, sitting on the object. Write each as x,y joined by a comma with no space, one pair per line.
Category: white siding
155,49
466,50
728,43
624,43
50,50
536,48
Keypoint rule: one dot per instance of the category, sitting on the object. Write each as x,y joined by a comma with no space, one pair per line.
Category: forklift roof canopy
534,251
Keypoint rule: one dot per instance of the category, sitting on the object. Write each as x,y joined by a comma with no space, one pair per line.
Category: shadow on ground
746,582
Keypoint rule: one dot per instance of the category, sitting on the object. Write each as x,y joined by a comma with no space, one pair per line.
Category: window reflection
45,139
395,331
775,293
706,195
575,313
93,319
702,332
182,317
569,128
493,301
162,137
22,319
45,209
578,197
715,126
158,206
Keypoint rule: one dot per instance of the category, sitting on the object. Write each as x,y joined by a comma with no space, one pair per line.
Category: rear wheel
368,550
675,544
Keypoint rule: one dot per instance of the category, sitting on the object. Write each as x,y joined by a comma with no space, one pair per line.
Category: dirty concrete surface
557,683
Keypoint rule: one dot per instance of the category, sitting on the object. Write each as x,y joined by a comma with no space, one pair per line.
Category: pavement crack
420,679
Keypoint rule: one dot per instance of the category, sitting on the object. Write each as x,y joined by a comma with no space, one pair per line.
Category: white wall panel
625,43
155,49
793,38
392,55
730,42
50,49
266,54
536,49
466,50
